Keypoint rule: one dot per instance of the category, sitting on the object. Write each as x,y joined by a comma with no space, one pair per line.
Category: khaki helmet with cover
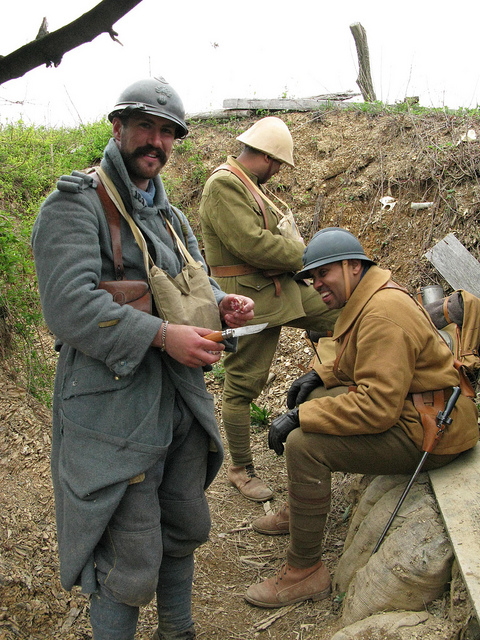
156,97
271,136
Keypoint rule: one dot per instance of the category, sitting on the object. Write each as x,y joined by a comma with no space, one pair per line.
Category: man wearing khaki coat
396,368
248,255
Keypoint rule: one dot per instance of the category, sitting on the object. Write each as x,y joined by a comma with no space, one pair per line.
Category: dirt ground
345,162
33,605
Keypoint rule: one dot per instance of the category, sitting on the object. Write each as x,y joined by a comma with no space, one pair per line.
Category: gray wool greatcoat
114,394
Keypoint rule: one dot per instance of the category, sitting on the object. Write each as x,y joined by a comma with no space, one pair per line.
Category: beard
135,168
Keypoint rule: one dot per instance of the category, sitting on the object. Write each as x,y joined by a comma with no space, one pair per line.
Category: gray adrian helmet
331,244
156,97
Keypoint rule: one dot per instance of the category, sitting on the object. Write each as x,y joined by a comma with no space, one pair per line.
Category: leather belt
233,270
245,269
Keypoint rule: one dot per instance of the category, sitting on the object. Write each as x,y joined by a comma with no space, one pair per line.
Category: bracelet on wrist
164,335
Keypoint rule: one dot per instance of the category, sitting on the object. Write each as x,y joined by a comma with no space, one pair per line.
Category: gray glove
280,428
300,389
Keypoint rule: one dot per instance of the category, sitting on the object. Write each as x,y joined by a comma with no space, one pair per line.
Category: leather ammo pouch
135,293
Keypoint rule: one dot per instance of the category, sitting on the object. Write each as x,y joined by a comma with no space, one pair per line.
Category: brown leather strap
245,269
113,218
233,270
241,176
445,310
466,386
391,284
277,284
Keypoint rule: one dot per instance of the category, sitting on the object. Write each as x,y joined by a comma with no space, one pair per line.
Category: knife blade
218,336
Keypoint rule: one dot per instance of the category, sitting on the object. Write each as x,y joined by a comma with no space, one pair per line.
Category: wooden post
364,79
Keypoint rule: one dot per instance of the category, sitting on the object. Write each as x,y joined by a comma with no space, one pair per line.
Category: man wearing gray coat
135,442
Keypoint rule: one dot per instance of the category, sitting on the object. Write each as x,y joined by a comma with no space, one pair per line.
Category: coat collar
371,282
235,163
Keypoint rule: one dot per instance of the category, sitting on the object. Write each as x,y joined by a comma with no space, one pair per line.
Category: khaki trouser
311,459
246,372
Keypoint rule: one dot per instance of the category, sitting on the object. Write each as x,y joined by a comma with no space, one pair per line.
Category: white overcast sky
210,50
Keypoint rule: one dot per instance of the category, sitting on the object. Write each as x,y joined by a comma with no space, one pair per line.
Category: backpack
457,317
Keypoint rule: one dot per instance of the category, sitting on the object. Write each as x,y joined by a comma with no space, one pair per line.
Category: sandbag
372,520
376,489
410,569
399,625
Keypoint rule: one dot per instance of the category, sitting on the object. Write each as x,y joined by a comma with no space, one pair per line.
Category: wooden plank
219,114
302,104
456,264
457,490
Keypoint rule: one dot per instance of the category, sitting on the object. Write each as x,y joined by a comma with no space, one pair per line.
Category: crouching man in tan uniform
392,360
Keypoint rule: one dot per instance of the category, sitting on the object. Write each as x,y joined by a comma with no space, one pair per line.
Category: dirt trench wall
345,162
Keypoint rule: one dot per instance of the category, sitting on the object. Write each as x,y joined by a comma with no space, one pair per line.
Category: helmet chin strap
346,279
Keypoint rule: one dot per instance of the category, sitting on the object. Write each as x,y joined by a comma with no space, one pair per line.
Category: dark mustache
160,153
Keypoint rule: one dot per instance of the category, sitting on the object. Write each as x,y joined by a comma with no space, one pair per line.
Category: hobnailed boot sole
247,497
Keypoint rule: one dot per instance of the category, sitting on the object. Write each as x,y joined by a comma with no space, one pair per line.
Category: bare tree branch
49,49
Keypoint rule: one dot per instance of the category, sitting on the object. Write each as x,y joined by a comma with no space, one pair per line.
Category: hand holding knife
218,336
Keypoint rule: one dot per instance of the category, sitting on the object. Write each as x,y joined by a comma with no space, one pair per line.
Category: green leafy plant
218,371
259,416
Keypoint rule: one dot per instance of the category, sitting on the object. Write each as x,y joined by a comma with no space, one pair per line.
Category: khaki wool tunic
233,236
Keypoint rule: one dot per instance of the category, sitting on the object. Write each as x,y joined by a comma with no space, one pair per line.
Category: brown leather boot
291,585
248,483
275,524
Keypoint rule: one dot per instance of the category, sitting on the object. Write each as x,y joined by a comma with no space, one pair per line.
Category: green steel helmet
331,244
155,97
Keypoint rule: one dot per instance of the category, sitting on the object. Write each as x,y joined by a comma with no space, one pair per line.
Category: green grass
32,159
